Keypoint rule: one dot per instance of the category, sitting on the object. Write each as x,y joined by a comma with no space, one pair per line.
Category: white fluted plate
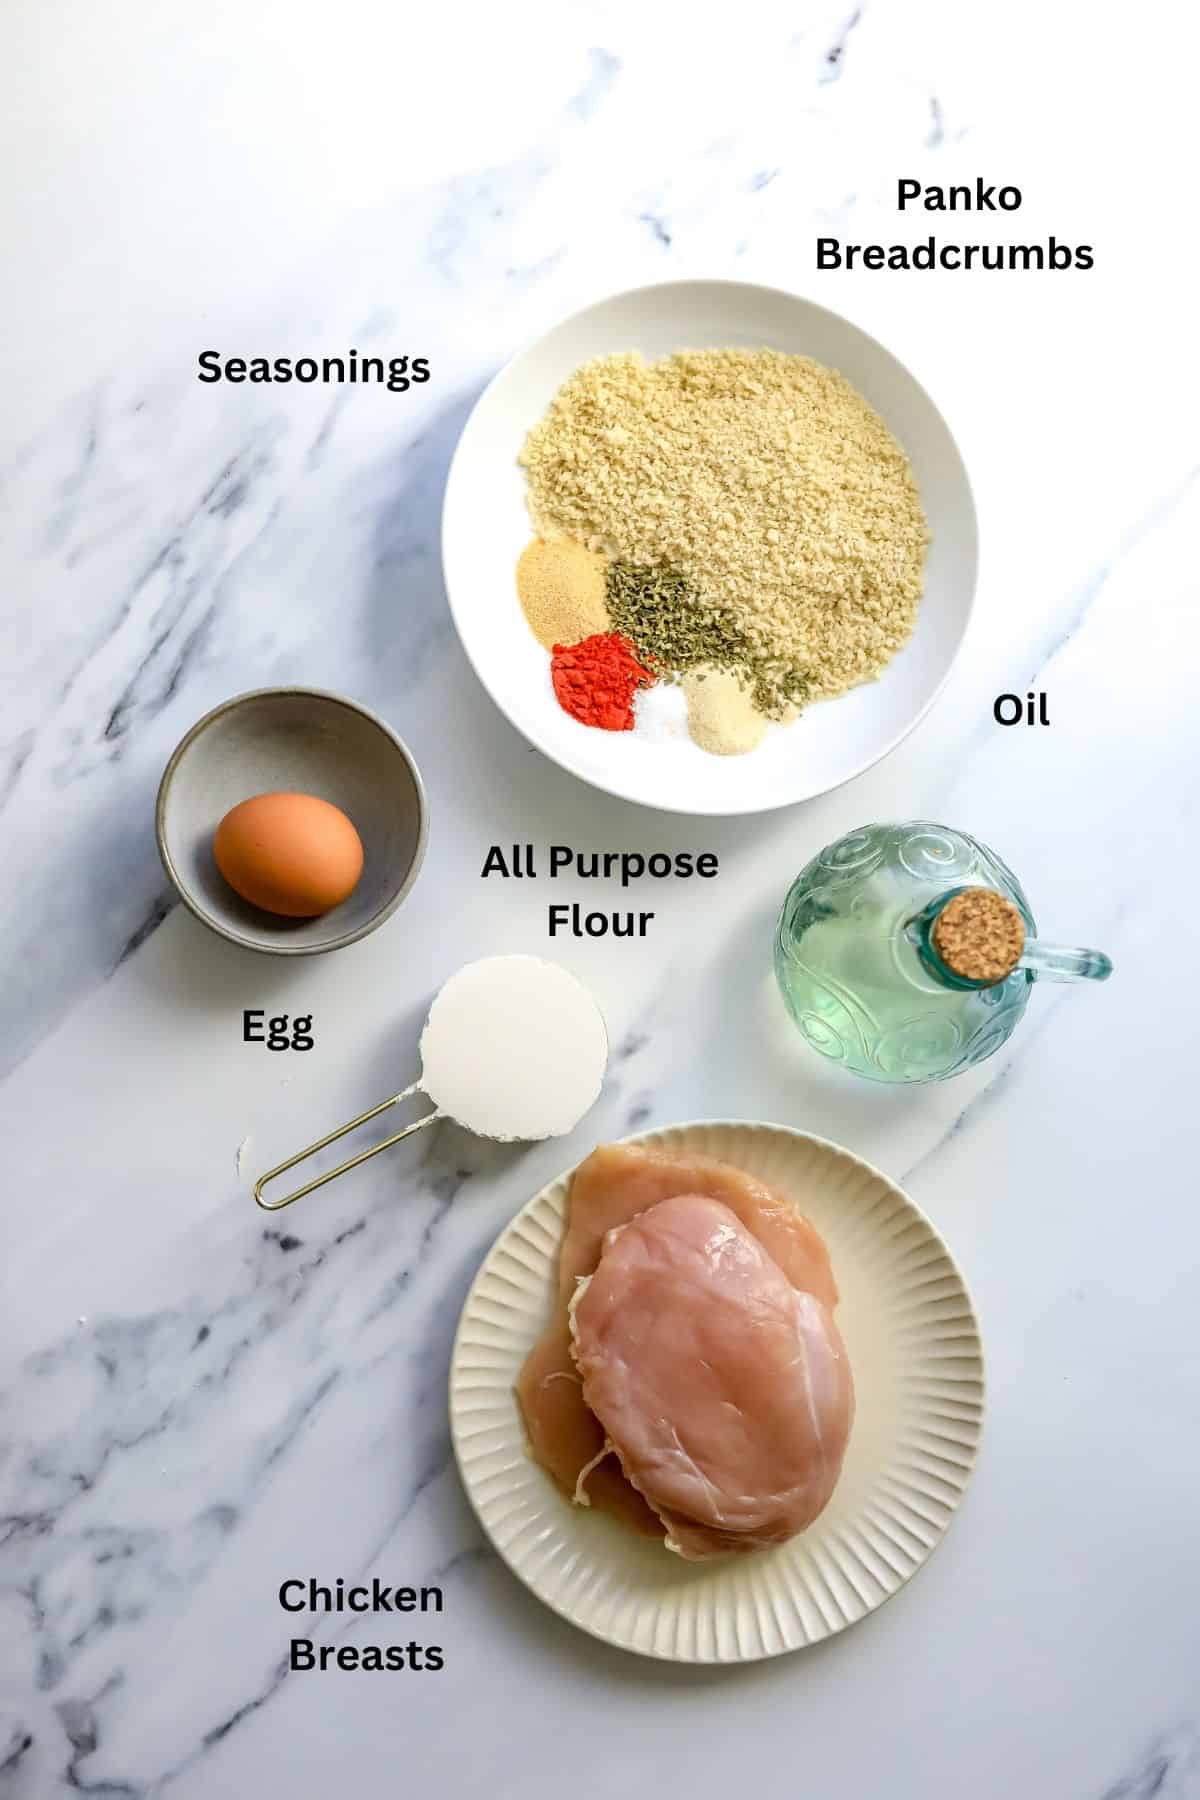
914,1346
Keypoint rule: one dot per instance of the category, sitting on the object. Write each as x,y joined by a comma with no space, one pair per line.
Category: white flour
514,1048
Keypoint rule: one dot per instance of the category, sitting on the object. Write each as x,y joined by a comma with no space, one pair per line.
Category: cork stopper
979,935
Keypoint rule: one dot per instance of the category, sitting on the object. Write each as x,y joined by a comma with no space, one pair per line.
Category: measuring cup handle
332,1138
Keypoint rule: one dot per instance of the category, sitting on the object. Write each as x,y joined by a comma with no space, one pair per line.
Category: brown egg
289,853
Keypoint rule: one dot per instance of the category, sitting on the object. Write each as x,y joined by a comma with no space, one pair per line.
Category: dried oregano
659,611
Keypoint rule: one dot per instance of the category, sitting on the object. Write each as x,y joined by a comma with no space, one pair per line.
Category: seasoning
664,617
560,584
595,681
763,481
722,716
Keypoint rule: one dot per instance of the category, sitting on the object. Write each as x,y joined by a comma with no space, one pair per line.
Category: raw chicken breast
614,1185
725,1390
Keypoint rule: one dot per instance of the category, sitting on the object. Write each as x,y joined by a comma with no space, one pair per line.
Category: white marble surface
196,1407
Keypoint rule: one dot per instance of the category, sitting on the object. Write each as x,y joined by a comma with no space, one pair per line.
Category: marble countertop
199,1403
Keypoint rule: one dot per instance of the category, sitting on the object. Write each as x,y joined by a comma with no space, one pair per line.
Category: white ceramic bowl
485,526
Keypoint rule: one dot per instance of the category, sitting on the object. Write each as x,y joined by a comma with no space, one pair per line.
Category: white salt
660,713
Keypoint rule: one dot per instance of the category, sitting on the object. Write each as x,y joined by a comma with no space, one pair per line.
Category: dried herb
668,624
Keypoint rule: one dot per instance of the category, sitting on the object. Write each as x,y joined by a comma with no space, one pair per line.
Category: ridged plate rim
897,1495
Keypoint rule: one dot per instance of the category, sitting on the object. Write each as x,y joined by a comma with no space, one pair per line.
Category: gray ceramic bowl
295,740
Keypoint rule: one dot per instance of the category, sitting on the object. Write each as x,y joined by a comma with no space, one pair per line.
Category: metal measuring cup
514,1048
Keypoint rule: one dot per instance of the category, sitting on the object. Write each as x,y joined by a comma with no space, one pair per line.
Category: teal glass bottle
858,963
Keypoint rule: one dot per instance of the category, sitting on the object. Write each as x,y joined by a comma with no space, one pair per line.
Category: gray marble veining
198,1404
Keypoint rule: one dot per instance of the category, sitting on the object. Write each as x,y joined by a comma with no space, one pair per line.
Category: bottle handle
1064,962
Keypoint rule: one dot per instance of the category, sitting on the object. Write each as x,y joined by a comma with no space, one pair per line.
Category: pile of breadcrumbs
764,478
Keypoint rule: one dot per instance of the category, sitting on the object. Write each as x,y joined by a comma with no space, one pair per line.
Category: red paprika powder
595,681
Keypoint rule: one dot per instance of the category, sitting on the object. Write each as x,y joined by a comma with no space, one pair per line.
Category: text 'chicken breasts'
696,1385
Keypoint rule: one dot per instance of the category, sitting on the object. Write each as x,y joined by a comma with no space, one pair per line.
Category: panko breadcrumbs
764,478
